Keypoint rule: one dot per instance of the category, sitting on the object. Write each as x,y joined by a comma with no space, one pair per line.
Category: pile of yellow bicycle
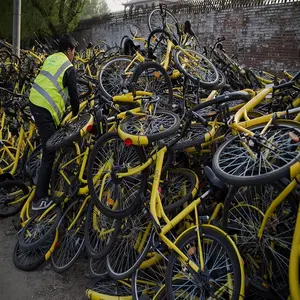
179,179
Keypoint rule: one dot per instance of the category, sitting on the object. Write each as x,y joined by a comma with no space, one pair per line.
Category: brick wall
270,34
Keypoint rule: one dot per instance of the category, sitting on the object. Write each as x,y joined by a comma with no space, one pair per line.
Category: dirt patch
42,284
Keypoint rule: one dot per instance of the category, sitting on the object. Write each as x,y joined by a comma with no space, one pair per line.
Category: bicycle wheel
131,246
29,149
31,259
178,188
155,21
100,232
6,159
221,277
115,198
39,229
71,238
266,259
109,289
112,78
13,194
197,67
33,163
157,45
152,77
221,82
64,176
148,281
194,136
69,133
145,129
273,154
97,268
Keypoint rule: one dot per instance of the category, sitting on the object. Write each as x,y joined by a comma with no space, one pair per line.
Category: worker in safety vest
48,96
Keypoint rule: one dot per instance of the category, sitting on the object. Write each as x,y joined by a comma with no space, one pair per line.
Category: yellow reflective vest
47,90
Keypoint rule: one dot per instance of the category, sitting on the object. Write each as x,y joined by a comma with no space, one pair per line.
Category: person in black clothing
46,97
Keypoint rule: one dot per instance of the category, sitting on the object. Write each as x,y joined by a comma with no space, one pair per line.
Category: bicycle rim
131,246
276,151
221,276
71,238
115,198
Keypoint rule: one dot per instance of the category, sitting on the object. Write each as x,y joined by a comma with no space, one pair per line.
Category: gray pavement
42,284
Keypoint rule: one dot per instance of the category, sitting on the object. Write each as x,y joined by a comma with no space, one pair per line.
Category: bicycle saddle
214,181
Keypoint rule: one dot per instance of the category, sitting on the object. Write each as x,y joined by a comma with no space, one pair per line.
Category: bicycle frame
22,137
81,159
294,261
295,176
157,212
238,126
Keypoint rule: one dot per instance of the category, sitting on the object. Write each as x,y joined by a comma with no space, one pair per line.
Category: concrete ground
42,284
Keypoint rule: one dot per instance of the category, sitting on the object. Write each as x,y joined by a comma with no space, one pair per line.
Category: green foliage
6,18
94,8
60,16
43,17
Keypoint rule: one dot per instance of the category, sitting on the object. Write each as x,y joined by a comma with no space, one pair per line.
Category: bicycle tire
210,81
239,180
157,72
114,145
24,244
169,13
59,187
130,249
97,268
242,216
69,133
194,136
31,161
34,142
97,247
78,244
221,82
173,183
147,281
116,61
29,260
136,127
5,200
207,233
157,44
108,289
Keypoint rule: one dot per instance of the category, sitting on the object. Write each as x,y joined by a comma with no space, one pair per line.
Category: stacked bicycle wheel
179,178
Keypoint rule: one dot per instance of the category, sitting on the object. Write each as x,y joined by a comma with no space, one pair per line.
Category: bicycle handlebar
296,77
283,85
287,84
220,99
217,100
